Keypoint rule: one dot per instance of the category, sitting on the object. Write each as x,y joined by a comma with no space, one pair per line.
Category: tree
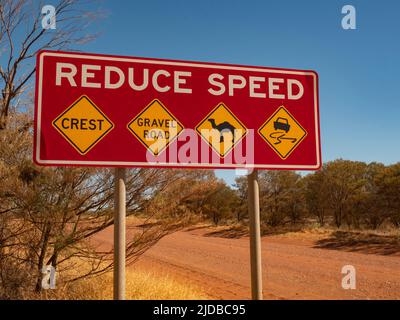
296,201
221,203
242,194
184,196
368,204
387,183
279,196
345,181
22,36
37,213
315,194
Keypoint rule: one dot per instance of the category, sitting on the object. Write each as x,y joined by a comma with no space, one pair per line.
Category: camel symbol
222,128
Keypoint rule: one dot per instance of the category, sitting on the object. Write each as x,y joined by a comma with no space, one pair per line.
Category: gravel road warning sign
155,127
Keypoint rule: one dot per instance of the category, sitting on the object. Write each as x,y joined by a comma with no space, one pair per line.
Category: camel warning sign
116,111
282,132
155,127
221,130
83,125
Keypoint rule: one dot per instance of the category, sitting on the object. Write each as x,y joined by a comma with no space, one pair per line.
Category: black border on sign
294,119
170,114
232,114
68,139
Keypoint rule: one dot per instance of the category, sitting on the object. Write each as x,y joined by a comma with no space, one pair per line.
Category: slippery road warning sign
102,110
221,129
83,124
155,127
282,132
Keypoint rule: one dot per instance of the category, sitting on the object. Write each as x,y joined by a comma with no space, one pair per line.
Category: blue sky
358,69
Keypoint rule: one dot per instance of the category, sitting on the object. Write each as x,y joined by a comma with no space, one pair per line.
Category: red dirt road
294,267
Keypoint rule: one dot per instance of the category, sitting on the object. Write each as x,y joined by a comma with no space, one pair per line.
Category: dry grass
140,285
310,231
316,232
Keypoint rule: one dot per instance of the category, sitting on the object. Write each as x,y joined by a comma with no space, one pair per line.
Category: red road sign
101,110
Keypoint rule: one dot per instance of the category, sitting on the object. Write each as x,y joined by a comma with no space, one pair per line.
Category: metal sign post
119,233
255,237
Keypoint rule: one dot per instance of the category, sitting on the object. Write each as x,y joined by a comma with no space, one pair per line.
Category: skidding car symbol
282,124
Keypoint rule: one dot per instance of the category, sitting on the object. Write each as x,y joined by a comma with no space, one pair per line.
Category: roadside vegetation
343,193
141,284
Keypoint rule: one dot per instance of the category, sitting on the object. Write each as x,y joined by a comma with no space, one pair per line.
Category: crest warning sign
83,124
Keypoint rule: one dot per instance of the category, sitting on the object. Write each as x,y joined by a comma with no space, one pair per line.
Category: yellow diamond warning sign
155,127
83,124
221,129
282,132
